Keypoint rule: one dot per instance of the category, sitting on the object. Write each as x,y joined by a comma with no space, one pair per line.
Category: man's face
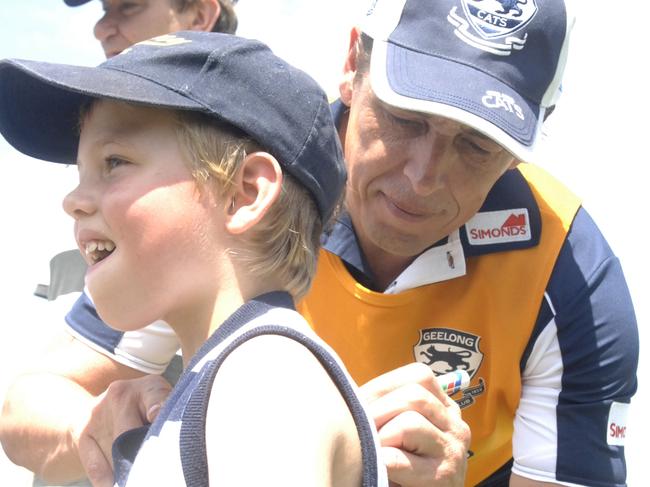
126,22
412,178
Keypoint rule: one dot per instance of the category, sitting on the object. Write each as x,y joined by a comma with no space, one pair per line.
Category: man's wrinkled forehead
447,124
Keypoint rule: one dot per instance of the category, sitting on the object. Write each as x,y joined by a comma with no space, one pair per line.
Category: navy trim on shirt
85,321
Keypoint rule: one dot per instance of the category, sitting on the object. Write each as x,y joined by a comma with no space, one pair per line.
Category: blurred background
596,142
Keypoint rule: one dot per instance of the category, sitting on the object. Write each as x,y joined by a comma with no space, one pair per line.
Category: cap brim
40,103
414,81
75,3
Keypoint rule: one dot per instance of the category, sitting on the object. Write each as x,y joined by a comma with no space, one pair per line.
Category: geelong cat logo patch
445,350
493,25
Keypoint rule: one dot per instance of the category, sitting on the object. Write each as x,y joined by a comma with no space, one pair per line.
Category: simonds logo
494,227
617,424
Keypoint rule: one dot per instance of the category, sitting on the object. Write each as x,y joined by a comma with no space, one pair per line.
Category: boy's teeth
99,246
91,247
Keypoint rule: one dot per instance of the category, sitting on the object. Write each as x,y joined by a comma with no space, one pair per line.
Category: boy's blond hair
285,243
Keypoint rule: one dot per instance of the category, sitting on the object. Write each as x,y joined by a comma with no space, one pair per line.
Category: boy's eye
113,162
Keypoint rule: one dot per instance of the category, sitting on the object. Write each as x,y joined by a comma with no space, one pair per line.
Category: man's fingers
412,432
406,468
410,397
419,454
135,402
125,405
409,470
414,373
154,393
98,468
153,411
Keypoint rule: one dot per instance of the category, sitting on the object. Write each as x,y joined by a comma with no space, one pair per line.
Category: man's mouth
98,250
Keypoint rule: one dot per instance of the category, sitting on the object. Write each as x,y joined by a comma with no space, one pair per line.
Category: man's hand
125,405
423,438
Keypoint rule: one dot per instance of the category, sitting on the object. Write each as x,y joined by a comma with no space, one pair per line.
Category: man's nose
105,27
426,163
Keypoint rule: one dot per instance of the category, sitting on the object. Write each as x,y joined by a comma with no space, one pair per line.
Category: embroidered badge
445,350
491,25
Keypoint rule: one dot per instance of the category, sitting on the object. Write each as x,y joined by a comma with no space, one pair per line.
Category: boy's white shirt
154,449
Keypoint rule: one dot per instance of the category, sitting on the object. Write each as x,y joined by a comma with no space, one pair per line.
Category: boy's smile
97,250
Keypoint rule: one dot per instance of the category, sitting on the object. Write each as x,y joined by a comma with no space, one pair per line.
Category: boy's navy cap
235,80
494,65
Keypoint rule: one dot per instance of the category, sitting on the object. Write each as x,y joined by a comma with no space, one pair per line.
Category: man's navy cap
235,80
494,65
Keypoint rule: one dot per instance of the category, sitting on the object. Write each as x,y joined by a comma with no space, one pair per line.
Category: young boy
207,167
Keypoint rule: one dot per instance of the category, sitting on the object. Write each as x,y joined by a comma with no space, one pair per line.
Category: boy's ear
257,185
515,163
350,68
205,15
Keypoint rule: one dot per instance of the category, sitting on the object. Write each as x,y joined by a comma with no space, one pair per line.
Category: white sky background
596,142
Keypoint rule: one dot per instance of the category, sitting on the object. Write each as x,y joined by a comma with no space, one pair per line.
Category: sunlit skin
412,178
126,22
136,191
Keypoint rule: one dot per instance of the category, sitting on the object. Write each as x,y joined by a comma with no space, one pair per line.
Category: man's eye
470,144
127,8
412,125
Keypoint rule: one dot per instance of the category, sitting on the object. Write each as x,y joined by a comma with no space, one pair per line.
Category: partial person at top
126,22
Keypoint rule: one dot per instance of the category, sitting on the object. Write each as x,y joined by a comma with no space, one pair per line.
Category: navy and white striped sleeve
579,371
148,350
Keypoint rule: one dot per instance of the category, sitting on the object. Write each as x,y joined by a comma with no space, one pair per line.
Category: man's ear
257,185
205,15
350,68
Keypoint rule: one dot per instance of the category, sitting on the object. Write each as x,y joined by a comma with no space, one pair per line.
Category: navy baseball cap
235,80
494,65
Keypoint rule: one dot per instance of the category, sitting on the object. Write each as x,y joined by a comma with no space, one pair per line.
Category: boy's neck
193,331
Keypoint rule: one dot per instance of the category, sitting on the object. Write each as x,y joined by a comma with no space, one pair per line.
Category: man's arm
59,418
579,371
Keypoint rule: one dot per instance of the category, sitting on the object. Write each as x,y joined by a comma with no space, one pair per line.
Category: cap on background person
494,65
226,23
235,80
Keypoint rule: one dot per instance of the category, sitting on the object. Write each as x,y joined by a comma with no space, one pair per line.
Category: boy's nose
77,203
